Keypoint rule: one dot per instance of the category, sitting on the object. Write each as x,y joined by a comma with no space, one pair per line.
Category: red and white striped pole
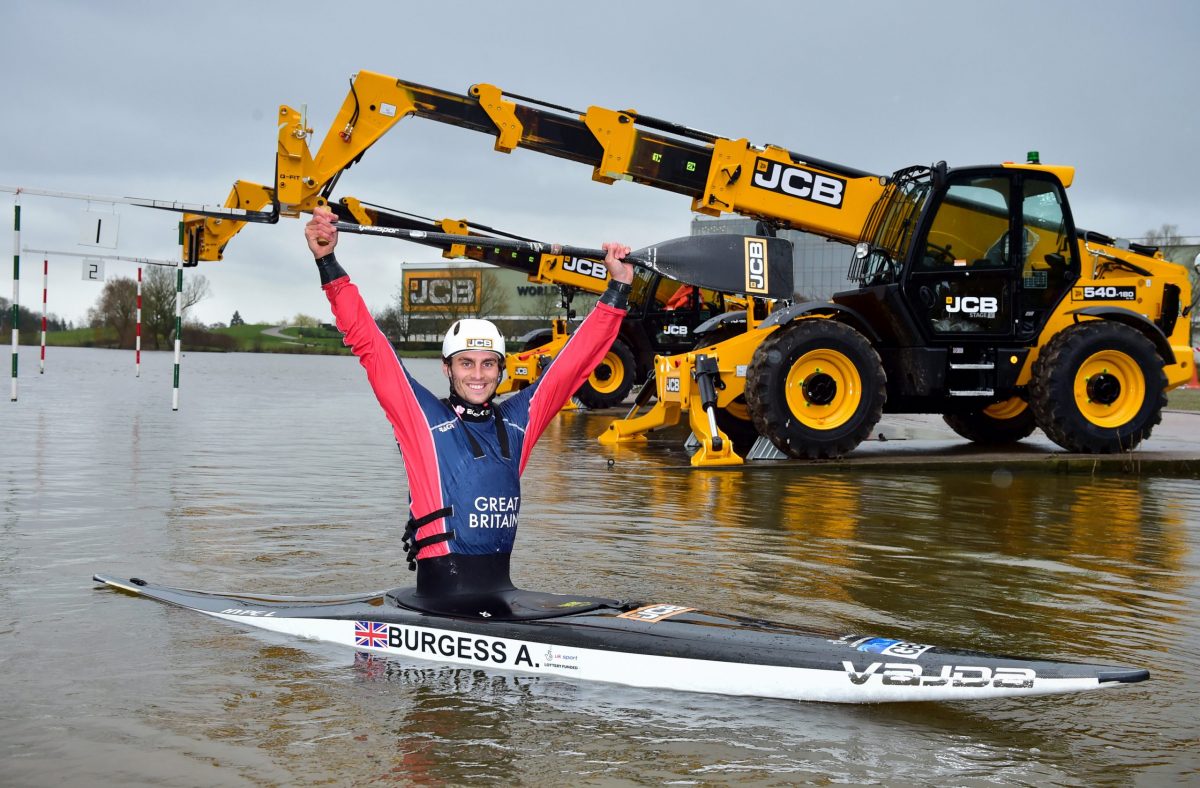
45,287
16,313
137,352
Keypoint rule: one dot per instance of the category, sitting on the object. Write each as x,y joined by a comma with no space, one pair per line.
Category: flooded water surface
279,474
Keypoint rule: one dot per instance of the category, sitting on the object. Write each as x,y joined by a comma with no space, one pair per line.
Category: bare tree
492,298
547,303
1167,238
158,301
116,308
393,321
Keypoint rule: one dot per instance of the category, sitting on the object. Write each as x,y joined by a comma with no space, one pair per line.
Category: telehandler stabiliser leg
633,429
715,446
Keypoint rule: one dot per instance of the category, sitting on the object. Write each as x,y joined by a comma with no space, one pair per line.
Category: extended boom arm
719,175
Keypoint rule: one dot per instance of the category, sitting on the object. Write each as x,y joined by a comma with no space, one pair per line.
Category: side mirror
938,173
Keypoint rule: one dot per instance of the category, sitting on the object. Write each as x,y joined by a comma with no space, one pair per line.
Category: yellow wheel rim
608,375
824,389
1109,389
1008,409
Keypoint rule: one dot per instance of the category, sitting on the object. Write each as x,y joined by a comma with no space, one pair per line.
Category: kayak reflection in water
464,454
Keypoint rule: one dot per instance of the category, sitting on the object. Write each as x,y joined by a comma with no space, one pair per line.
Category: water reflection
247,488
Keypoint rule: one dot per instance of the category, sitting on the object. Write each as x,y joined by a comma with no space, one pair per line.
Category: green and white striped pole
178,330
16,314
179,312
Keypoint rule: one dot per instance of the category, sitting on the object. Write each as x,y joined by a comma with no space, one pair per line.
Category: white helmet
471,333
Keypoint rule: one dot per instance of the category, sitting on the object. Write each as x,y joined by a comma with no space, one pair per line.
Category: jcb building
437,294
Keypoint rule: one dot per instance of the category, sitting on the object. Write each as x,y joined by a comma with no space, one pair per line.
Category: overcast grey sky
177,100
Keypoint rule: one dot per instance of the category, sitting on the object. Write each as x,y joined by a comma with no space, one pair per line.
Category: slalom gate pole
45,289
137,340
16,313
178,330
141,261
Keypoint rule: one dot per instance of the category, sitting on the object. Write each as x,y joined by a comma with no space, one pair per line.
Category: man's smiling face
474,375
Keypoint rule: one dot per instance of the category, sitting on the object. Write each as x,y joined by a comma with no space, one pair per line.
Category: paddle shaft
755,266
477,240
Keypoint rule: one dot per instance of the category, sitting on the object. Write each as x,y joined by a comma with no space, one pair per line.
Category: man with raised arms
464,454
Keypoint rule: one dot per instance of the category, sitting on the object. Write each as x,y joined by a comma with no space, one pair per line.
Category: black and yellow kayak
655,645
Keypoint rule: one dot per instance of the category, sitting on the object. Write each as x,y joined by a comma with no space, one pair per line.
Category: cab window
640,288
678,297
971,227
1048,253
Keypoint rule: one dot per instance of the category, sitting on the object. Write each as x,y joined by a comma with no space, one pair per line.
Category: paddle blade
743,264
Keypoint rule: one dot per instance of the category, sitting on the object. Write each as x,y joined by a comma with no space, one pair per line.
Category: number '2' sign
93,269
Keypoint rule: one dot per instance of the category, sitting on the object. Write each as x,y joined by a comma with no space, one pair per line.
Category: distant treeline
28,320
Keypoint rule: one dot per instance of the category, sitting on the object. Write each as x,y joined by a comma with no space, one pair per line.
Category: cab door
962,272
1049,266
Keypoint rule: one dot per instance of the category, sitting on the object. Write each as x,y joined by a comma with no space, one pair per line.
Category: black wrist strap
329,268
617,294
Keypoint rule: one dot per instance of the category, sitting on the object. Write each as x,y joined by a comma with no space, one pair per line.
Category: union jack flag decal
371,634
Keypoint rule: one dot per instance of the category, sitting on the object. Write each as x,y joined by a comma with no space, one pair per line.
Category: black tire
1098,387
611,380
1003,422
734,420
816,388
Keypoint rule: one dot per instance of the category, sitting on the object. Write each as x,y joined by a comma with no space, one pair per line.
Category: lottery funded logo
653,613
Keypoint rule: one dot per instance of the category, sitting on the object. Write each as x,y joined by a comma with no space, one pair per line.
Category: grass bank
235,339
293,339
1184,399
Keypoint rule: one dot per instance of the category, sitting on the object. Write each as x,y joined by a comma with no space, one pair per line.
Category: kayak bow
654,645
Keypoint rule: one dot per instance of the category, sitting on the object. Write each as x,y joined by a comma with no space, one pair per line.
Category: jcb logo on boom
756,265
973,305
585,268
798,182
